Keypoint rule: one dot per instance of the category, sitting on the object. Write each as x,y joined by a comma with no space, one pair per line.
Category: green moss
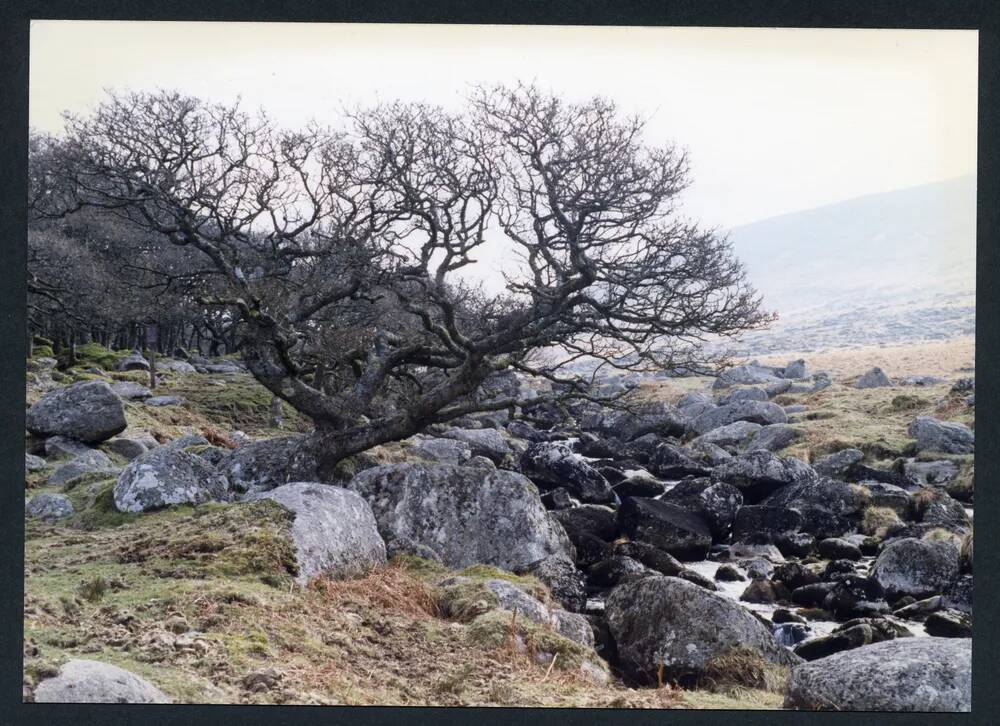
495,629
43,351
464,601
95,354
530,584
419,566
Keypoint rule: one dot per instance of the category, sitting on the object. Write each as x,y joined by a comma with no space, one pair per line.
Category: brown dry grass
943,358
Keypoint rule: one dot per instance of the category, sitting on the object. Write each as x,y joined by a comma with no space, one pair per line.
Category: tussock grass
878,521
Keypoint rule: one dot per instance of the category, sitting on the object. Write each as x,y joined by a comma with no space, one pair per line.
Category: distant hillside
883,268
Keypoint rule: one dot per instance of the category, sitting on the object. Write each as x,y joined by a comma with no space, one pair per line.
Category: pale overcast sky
775,120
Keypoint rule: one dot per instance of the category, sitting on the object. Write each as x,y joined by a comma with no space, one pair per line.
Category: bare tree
341,254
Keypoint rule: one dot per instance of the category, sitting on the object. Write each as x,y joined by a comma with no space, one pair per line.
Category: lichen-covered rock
565,582
165,476
89,681
874,378
552,464
267,464
947,437
830,494
916,567
49,507
766,522
466,514
160,401
178,366
483,442
760,412
671,622
34,463
672,462
334,531
92,462
89,412
904,674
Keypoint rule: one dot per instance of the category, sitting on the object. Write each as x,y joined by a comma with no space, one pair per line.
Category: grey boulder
556,465
89,412
946,437
760,412
90,681
334,530
671,622
92,462
734,434
267,464
916,567
134,361
49,507
130,390
34,463
874,378
466,514
838,464
904,674
165,476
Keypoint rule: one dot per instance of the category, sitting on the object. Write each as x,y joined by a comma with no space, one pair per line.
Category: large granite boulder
774,437
166,476
904,674
657,417
554,464
874,378
734,434
90,681
759,412
759,473
334,530
839,464
947,437
88,411
671,622
267,464
565,582
466,514
915,567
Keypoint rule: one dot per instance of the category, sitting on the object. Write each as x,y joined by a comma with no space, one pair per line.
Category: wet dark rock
782,615
591,519
839,464
765,591
811,595
958,595
615,570
794,575
768,522
729,573
555,465
838,549
673,462
856,597
652,557
666,526
949,624
639,486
